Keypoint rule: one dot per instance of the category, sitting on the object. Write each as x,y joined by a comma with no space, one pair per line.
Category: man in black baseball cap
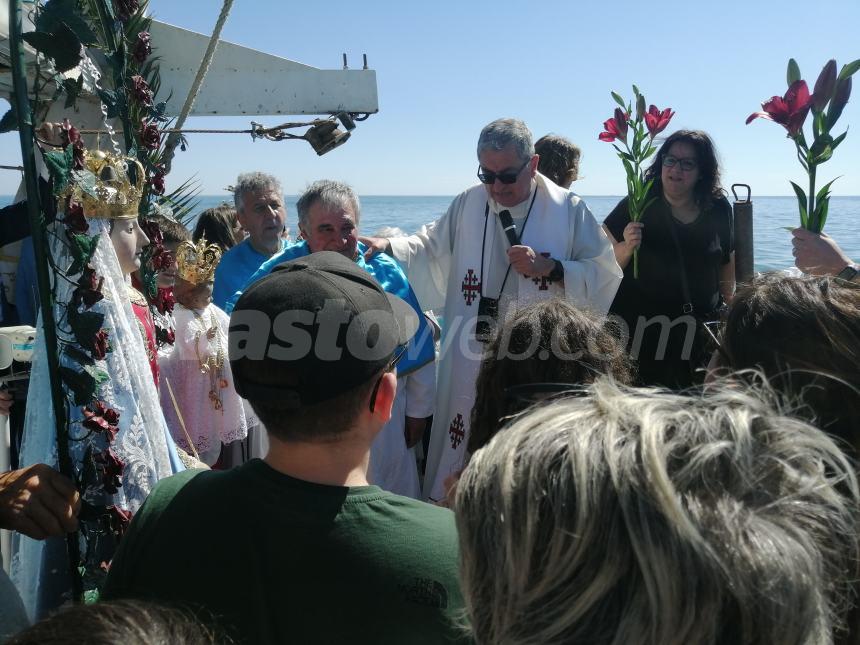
298,547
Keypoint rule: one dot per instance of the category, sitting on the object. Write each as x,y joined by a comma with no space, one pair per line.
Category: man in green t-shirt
297,547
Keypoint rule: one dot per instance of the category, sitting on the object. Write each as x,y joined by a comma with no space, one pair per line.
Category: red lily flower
789,111
824,86
656,121
616,127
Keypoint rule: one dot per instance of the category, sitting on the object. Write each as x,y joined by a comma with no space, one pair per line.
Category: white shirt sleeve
420,391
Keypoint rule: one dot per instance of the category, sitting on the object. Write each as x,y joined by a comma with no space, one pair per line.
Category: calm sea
771,216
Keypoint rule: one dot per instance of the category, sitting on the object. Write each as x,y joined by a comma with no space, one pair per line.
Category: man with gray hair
328,214
516,240
260,210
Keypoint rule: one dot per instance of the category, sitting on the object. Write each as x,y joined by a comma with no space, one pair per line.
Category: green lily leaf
821,212
792,74
59,163
82,248
801,203
9,121
820,145
619,100
824,190
81,384
839,139
56,12
62,46
636,91
849,69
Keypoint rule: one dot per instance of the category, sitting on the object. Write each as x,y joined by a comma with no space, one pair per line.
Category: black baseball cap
314,328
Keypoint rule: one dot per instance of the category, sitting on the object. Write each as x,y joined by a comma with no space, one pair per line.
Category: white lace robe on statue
142,443
207,427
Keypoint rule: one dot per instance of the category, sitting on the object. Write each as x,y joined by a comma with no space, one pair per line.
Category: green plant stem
812,217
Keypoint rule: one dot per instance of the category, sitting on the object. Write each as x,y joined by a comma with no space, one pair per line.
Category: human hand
6,401
817,253
526,262
414,430
38,502
450,486
632,235
375,245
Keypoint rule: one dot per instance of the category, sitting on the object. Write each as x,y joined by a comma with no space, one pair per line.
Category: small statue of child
200,403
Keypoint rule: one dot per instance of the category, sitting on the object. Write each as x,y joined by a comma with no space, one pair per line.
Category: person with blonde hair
648,517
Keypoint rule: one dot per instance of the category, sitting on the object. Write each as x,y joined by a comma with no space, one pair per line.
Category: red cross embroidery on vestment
543,280
471,287
456,431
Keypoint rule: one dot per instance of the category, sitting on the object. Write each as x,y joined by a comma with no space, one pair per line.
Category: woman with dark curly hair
686,260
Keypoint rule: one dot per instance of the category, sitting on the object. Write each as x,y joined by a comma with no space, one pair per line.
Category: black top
663,352
706,243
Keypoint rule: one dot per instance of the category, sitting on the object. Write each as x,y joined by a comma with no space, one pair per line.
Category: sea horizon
772,215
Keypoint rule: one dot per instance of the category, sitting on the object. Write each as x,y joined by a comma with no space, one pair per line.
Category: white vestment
443,264
392,465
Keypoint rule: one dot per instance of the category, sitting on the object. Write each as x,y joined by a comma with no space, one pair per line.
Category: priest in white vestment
466,256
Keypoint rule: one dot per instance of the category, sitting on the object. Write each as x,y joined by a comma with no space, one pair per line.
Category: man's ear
533,164
385,396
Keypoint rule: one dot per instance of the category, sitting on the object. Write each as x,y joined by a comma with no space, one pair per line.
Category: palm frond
183,200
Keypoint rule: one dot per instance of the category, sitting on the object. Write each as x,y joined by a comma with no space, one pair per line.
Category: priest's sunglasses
687,164
507,177
399,353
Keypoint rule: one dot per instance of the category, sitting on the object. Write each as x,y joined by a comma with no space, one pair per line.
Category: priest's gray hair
255,182
502,133
332,194
643,516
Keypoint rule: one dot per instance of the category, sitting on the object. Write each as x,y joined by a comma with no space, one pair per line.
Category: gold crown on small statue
104,188
196,262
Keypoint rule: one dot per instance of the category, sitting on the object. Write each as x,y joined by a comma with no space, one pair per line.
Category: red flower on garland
69,135
100,345
89,289
616,127
656,121
142,48
789,111
156,183
101,419
111,469
150,135
141,91
74,218
164,301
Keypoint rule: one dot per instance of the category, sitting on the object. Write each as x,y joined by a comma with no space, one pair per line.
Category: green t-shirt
281,560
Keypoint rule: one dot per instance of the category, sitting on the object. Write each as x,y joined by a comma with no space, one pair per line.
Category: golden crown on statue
104,188
196,262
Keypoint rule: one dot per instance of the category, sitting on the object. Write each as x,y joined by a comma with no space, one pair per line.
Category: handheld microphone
509,227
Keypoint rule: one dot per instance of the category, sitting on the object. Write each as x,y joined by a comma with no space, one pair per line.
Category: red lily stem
812,218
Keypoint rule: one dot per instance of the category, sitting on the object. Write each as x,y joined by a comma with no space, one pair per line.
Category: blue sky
447,68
